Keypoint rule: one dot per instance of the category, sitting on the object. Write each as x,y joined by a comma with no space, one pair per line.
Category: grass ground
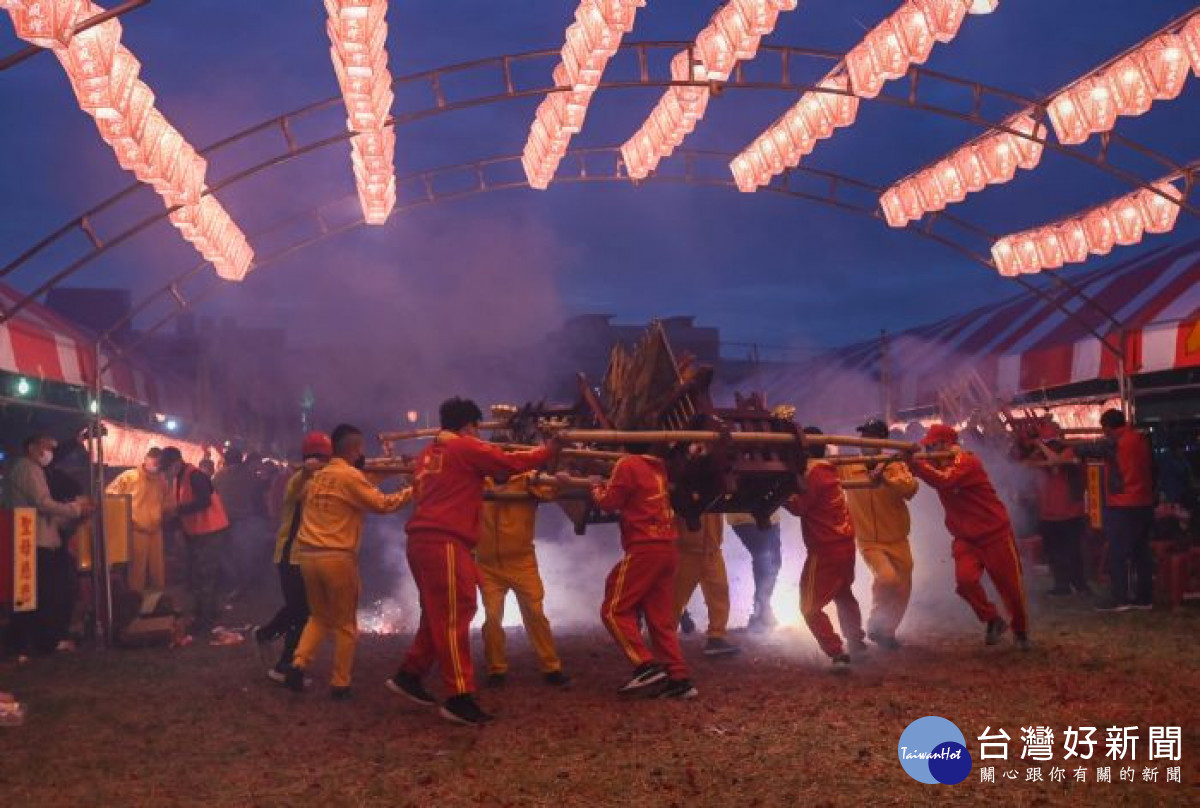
203,726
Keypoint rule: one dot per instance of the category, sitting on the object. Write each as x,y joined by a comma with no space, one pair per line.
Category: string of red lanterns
104,75
906,37
1120,222
591,40
732,35
358,35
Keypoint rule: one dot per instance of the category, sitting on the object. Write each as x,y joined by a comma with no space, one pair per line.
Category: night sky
508,266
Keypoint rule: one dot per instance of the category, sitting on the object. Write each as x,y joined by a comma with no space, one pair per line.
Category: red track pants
447,582
644,581
999,559
827,578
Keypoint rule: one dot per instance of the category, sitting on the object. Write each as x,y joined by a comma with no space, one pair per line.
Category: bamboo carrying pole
431,432
745,438
852,460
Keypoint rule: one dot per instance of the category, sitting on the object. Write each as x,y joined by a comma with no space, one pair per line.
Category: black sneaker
340,693
841,663
995,630
496,679
409,686
1110,605
1022,641
679,689
686,624
557,679
294,679
462,709
720,647
646,674
888,642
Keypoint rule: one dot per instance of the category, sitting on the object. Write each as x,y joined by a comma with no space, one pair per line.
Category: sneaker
679,689
1140,606
462,709
340,693
294,679
496,679
1109,605
888,642
646,674
841,663
409,686
557,679
720,647
858,647
686,624
276,675
995,629
1022,641
65,646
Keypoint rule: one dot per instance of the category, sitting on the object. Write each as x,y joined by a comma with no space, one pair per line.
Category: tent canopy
1021,345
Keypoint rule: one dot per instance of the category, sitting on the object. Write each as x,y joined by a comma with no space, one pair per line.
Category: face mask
361,462
45,458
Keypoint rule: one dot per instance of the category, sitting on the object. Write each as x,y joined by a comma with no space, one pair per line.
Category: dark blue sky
507,266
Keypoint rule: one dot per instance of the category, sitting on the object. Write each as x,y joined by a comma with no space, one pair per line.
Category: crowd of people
472,526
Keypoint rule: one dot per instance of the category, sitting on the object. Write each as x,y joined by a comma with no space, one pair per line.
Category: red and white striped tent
1023,345
41,344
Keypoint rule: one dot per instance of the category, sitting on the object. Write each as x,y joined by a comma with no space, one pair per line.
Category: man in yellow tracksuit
147,488
702,563
330,531
506,561
881,525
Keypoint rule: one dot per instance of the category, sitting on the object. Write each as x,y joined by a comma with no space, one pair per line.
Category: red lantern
970,168
953,188
1159,214
910,199
893,208
1130,79
915,31
1049,248
1028,152
1126,216
743,173
1028,259
1070,125
1098,102
929,190
1074,241
1167,64
49,23
999,159
716,52
1005,257
1100,232
841,107
1191,42
865,78
887,50
945,16
816,118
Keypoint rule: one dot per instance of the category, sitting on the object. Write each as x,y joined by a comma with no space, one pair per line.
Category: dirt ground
203,726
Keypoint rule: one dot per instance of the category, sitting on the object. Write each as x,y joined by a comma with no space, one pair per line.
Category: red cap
940,433
318,444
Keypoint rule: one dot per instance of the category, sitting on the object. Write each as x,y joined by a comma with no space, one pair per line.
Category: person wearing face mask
338,497
289,621
204,525
44,630
149,498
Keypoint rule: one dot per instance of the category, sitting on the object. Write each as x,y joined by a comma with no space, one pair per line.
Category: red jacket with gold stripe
974,512
449,480
637,490
823,511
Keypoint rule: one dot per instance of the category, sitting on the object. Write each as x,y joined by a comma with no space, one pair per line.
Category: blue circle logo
932,750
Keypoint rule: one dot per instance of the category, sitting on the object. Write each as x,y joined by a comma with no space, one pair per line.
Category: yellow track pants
146,556
706,570
519,575
891,568
331,584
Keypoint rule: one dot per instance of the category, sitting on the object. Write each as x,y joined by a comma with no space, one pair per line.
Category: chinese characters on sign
1120,744
24,559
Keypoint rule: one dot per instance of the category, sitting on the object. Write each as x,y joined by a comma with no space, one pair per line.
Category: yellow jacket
334,503
705,540
292,497
881,514
506,529
149,493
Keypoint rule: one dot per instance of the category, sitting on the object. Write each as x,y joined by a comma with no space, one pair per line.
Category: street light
413,415
172,425
24,388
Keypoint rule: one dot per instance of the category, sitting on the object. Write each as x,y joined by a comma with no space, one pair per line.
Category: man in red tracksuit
828,572
442,533
644,580
982,532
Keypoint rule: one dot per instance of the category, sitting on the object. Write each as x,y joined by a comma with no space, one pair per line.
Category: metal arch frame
434,80
582,172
